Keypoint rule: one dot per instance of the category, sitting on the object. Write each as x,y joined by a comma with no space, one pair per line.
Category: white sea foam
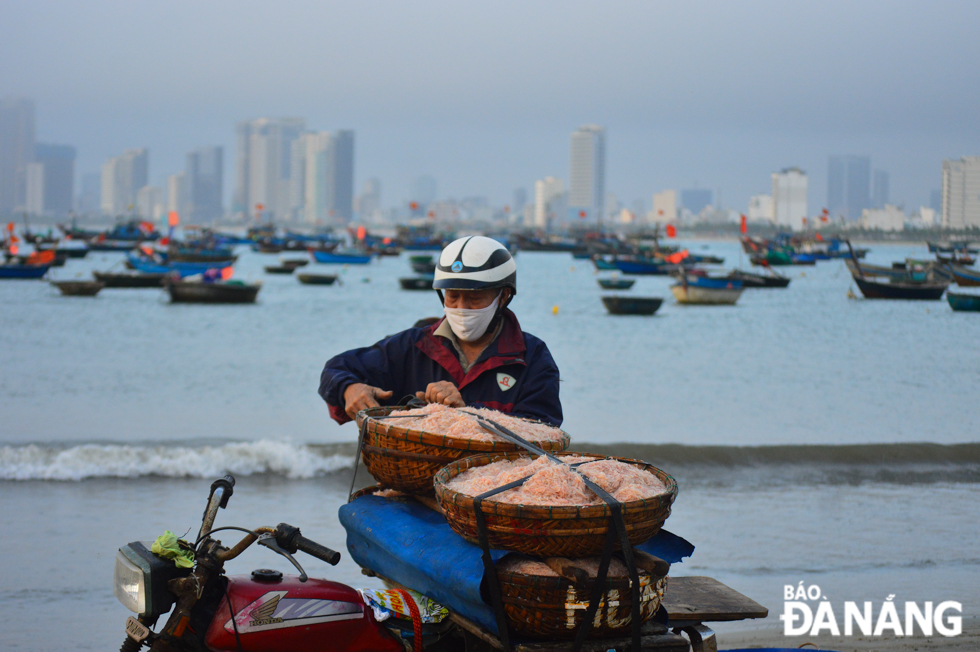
36,462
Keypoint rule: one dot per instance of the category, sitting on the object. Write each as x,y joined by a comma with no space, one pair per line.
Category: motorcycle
262,612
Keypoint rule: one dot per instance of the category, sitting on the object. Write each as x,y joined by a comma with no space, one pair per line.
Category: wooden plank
704,599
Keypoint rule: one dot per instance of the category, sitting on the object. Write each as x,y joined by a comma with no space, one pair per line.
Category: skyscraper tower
205,175
848,186
263,161
587,178
17,140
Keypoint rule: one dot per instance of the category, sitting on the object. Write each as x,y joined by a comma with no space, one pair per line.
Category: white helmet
475,263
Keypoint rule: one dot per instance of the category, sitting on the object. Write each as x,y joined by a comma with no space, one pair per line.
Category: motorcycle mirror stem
221,491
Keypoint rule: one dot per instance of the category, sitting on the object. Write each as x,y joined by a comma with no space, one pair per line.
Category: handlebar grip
289,539
314,549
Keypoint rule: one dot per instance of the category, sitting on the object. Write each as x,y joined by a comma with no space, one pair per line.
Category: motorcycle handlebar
290,539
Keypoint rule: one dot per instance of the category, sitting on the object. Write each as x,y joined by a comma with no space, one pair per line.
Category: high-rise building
263,166
89,199
205,176
879,189
177,193
761,209
519,201
696,199
50,180
848,186
961,193
789,188
423,190
149,203
342,182
369,201
549,195
122,178
17,137
587,174
664,207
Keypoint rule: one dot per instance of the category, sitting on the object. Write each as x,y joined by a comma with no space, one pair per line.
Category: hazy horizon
484,98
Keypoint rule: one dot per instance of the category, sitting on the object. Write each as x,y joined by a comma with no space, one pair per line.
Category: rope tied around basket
407,402
618,529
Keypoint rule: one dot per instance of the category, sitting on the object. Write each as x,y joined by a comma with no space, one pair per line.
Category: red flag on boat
818,237
744,227
173,219
165,241
14,238
10,226
671,231
361,233
146,226
14,249
227,272
414,205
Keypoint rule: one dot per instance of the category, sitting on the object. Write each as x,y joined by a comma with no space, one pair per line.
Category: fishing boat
930,289
21,271
952,247
913,271
279,269
602,264
294,262
309,278
340,257
920,291
416,283
963,302
631,305
187,291
750,280
420,259
771,258
148,264
129,279
424,267
78,288
642,266
963,276
616,283
700,290
956,258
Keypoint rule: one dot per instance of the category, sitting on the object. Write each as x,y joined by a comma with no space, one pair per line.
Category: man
476,355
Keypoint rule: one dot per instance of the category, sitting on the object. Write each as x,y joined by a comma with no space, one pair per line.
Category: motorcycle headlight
140,579
129,583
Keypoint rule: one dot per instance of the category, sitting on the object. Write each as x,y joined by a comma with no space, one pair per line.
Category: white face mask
470,324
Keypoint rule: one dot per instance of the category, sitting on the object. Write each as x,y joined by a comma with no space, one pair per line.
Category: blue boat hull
183,269
340,259
963,302
641,267
23,271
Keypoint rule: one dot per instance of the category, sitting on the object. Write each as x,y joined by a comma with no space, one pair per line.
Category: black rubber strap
618,524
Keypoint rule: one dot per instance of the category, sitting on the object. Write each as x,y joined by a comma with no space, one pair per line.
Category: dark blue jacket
515,374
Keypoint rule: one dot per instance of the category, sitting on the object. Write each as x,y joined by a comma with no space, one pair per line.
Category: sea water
118,411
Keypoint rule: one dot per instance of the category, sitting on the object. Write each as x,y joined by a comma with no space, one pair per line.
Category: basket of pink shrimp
554,505
404,448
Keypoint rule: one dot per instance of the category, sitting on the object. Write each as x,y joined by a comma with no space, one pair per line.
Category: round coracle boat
406,458
547,530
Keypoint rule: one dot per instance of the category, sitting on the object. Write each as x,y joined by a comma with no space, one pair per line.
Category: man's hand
359,396
442,392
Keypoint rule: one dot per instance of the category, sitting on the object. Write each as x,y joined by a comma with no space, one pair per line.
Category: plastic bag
168,546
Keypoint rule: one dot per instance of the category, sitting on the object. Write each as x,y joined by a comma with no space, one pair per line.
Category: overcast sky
483,96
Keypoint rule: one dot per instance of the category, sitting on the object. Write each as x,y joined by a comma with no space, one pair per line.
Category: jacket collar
508,348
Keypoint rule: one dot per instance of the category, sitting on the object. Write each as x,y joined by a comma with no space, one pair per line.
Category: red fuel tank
286,615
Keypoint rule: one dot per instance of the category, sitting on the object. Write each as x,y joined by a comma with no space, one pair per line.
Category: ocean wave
80,462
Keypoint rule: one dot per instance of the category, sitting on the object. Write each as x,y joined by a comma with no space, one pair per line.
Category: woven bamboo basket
546,531
406,459
540,606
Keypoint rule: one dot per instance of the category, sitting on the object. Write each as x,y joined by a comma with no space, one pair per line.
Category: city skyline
692,108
